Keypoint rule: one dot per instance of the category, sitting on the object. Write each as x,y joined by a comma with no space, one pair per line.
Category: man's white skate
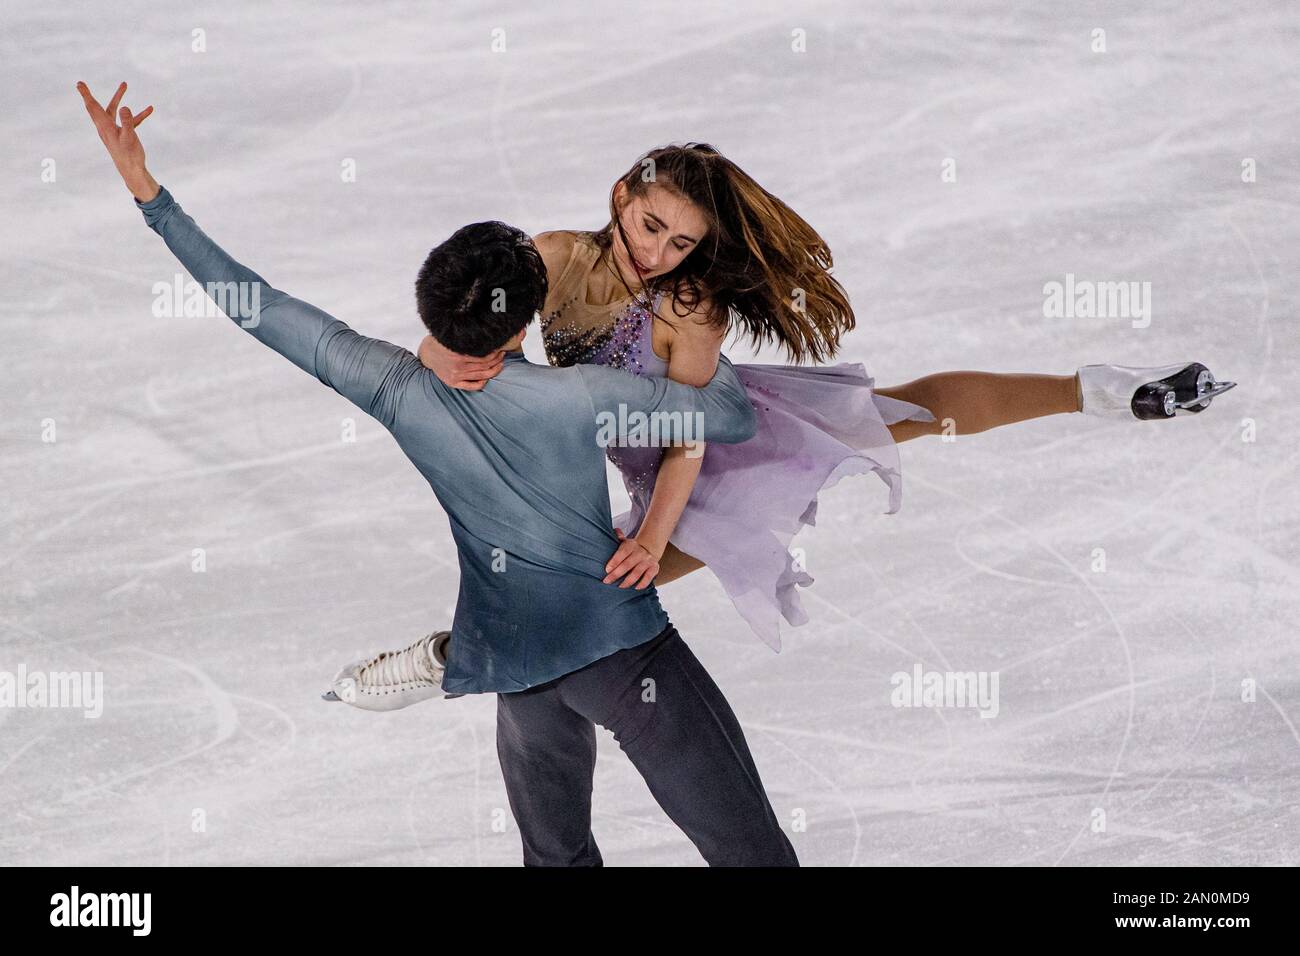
395,679
1127,392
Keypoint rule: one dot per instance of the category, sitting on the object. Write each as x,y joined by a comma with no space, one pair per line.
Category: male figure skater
520,473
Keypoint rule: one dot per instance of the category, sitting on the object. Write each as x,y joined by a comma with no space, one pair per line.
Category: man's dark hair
480,287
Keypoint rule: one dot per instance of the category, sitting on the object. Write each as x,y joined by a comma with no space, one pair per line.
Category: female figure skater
696,249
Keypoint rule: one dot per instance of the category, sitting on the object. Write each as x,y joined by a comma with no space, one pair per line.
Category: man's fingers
92,104
129,122
103,122
111,109
106,117
127,134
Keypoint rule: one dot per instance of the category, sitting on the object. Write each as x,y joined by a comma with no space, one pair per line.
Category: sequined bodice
619,335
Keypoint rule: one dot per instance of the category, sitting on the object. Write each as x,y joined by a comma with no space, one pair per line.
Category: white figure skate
1146,394
395,679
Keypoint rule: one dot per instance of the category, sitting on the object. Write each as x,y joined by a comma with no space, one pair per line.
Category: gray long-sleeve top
518,467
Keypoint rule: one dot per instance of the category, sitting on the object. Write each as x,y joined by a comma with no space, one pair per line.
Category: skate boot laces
396,670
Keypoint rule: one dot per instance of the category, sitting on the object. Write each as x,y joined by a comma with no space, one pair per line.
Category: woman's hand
459,371
631,559
122,143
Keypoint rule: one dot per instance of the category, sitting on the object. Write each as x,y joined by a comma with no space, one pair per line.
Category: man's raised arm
724,412
367,371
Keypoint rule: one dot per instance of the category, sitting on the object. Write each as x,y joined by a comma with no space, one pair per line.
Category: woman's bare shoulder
690,320
556,247
555,240
561,239
692,341
556,236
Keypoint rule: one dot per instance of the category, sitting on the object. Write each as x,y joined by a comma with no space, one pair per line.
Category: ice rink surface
1158,695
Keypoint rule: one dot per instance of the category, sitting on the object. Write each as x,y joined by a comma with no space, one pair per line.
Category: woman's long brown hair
761,267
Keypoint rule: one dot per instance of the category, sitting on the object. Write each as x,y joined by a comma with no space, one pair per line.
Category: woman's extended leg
964,403
974,401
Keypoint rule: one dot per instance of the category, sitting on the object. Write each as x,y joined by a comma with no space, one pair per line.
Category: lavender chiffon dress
816,425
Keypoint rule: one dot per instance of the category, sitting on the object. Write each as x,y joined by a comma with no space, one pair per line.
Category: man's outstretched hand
121,141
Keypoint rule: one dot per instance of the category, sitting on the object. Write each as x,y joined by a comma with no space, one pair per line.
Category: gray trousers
673,723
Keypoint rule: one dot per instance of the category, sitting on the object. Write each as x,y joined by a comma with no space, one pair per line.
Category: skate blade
331,696
1215,390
